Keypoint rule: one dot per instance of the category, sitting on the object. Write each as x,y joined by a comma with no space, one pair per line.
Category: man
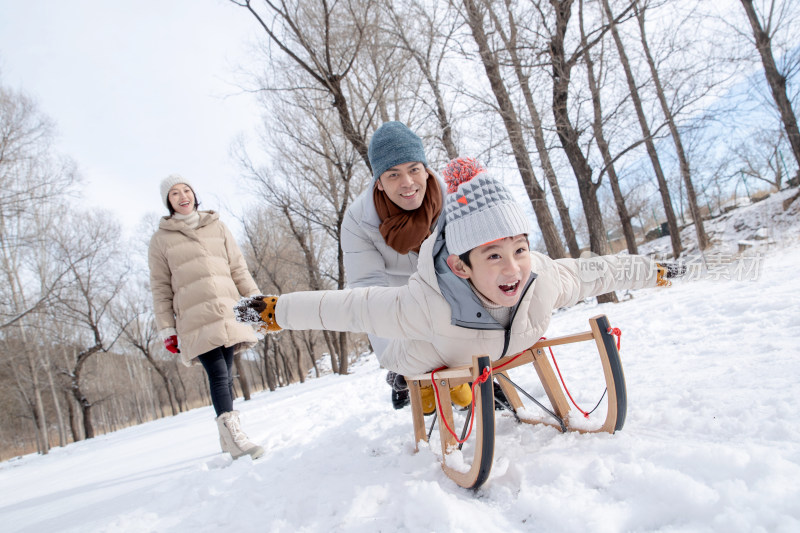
385,226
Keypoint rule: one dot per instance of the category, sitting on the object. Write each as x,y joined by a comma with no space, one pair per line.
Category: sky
138,90
711,441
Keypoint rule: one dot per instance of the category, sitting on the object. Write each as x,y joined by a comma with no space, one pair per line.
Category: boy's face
499,269
405,184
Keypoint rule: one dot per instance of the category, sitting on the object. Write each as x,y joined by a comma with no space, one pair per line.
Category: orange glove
668,270
267,314
259,311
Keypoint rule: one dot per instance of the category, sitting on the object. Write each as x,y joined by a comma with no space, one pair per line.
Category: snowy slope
711,441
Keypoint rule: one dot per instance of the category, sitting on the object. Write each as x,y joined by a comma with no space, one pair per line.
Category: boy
478,290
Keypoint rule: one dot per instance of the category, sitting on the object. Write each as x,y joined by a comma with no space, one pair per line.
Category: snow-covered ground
711,440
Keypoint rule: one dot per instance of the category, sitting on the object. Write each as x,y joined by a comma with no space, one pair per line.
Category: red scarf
404,230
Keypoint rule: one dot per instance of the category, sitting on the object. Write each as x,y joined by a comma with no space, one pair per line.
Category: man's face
405,184
500,269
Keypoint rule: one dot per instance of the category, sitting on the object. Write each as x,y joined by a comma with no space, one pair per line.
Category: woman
197,274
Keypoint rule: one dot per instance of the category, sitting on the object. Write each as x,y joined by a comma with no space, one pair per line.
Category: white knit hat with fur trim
168,183
478,209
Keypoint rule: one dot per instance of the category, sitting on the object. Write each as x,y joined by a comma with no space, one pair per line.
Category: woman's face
181,198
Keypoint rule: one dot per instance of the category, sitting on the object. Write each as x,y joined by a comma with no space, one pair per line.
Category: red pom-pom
459,171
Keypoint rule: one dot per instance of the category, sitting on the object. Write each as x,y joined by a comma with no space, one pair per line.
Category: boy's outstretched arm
388,312
593,276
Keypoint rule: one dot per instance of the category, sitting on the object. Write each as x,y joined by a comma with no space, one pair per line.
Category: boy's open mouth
509,289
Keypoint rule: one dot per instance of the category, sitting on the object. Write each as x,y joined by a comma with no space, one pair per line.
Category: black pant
218,363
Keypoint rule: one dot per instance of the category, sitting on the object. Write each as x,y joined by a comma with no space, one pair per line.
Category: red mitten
171,344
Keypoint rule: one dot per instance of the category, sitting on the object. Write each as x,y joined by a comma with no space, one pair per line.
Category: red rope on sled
611,331
481,379
485,376
553,356
617,333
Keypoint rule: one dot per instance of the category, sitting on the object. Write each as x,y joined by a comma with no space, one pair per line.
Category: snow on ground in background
711,442
753,227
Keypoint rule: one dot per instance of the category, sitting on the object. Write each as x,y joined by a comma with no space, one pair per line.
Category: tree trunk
510,42
73,419
244,383
298,357
268,370
602,145
568,135
309,341
330,342
86,413
171,394
75,385
669,212
62,432
691,197
775,80
550,235
342,345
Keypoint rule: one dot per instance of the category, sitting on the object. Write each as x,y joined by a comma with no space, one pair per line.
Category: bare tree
602,142
669,212
562,65
326,55
761,160
32,178
137,323
309,188
683,160
475,20
89,242
33,182
427,34
763,27
513,48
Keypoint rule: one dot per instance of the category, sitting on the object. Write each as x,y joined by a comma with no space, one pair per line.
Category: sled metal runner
482,439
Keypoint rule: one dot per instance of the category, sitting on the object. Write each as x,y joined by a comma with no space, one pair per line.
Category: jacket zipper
507,335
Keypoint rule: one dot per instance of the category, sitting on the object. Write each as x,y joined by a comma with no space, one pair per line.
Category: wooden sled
474,475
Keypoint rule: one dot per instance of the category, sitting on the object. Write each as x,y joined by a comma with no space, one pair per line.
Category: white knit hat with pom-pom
478,209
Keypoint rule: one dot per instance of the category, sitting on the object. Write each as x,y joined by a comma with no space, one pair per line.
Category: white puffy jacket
433,322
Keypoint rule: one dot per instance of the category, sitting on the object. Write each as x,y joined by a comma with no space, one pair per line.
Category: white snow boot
233,440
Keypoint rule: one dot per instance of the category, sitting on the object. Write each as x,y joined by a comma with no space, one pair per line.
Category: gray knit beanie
478,209
168,183
394,144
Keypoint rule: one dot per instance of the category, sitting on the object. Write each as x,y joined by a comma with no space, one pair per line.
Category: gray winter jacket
368,260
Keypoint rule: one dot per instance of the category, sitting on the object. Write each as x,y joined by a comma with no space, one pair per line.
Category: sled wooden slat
482,440
416,411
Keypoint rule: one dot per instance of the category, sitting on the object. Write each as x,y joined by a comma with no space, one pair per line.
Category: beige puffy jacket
196,276
419,319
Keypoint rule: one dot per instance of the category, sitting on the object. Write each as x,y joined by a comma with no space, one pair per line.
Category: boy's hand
259,311
667,271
